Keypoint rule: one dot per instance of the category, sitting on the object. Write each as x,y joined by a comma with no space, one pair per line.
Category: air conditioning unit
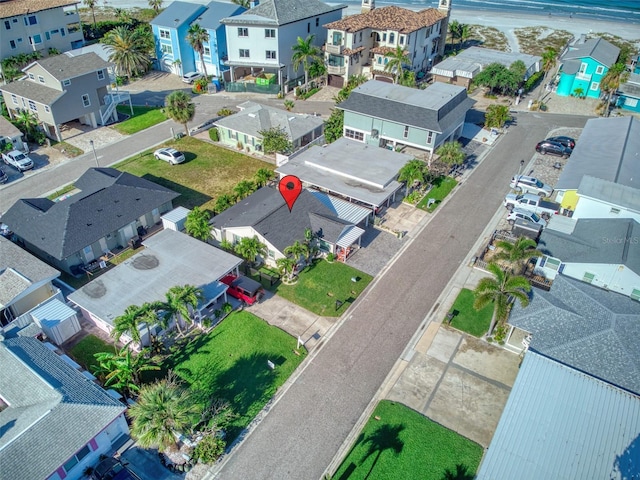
374,133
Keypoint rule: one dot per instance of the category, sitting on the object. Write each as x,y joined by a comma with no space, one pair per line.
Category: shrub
239,145
532,81
288,105
209,449
200,85
225,112
331,257
414,197
213,135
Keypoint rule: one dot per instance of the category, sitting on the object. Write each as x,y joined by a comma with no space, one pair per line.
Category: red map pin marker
290,188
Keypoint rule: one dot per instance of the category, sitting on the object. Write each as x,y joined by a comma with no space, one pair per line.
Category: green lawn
208,171
404,444
320,285
467,318
231,363
143,117
83,351
442,186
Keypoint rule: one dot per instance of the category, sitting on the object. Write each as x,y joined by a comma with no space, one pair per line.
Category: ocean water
618,10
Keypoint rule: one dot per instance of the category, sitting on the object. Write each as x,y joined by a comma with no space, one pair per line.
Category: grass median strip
467,318
143,117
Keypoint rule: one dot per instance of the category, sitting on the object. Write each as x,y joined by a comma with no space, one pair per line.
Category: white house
599,198
260,39
604,252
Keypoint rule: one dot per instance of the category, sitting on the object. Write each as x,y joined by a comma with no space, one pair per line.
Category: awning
349,236
347,211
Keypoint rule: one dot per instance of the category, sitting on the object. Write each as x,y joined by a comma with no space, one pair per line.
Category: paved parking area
146,464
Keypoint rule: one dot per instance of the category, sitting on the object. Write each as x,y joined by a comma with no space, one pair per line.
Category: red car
243,288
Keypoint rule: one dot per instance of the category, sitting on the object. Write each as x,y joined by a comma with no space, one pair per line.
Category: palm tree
249,248
412,171
286,266
180,108
518,253
178,301
549,57
156,5
223,202
243,3
297,250
610,83
397,59
122,15
243,189
263,175
92,5
162,410
128,49
27,120
499,290
305,53
454,31
121,369
197,224
129,322
465,33
450,153
197,37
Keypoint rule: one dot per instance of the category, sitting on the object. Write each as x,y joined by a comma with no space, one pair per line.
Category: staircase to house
111,101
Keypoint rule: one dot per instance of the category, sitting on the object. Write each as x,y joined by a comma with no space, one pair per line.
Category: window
14,99
631,102
583,67
206,51
337,38
32,76
269,33
401,39
379,60
53,32
594,86
47,109
32,106
551,263
599,70
271,254
100,74
12,44
271,54
317,22
66,83
635,294
243,32
335,61
236,239
405,134
86,101
353,134
165,33
166,49
392,38
77,458
36,39
429,137
244,53
7,24
30,20
614,211
588,277
62,32
384,37
308,27
47,35
360,37
40,78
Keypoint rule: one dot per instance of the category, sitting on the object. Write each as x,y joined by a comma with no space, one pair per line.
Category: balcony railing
336,70
583,76
334,49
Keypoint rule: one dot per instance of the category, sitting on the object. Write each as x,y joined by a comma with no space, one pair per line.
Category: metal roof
470,61
347,211
607,149
52,313
560,423
349,236
177,14
176,215
610,192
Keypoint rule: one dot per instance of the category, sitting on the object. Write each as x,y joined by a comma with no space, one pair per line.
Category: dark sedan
112,469
565,141
553,148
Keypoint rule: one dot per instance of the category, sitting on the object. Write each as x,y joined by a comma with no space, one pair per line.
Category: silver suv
530,185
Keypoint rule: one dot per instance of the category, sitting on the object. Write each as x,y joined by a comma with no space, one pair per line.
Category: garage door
336,81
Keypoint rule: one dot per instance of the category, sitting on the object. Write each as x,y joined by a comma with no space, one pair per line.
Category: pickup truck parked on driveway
531,203
18,160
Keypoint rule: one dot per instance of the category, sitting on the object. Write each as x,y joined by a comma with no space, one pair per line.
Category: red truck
243,288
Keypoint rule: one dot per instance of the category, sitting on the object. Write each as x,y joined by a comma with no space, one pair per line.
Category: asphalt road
306,427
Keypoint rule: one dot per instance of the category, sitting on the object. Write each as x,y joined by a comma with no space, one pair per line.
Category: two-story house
358,44
28,26
112,208
388,115
260,39
170,29
64,88
583,65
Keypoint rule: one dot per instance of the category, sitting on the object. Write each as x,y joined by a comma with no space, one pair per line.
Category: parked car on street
518,213
112,469
243,288
531,203
525,184
565,141
553,148
192,77
18,160
170,155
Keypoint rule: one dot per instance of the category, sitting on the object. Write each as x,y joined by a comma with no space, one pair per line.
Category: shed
175,219
58,321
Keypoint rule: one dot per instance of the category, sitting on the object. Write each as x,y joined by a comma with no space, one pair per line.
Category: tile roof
383,50
19,270
282,12
13,8
392,18
255,117
587,328
560,423
607,149
435,108
351,51
611,241
177,14
50,403
109,199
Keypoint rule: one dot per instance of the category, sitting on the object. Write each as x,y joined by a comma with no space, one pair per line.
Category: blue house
629,93
170,29
584,65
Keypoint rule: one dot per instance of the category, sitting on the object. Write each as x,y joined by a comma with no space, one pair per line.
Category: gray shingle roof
610,192
607,149
631,88
255,117
562,424
19,270
109,200
597,48
8,129
216,11
282,12
50,404
596,240
66,66
267,213
176,14
434,108
587,328
33,91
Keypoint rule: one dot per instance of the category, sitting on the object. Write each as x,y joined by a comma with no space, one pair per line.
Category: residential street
306,427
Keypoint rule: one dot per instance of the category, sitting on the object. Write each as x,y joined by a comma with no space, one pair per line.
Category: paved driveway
146,464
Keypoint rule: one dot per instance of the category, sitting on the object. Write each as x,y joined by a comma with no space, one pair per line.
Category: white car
530,185
170,155
518,213
18,160
192,77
